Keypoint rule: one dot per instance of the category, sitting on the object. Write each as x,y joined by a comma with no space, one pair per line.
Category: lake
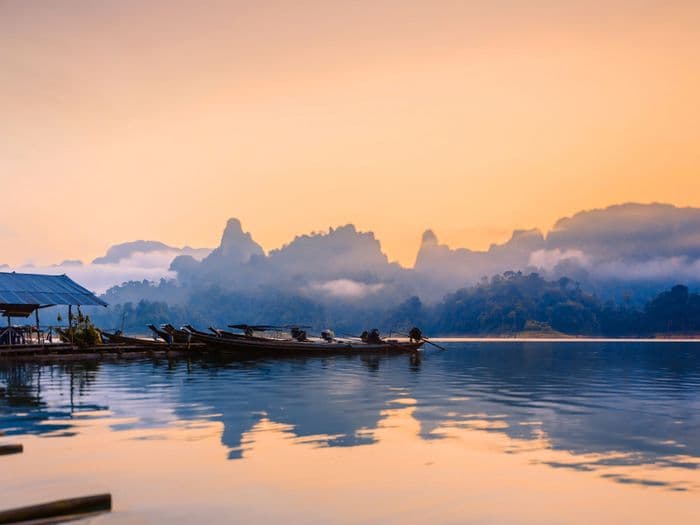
485,432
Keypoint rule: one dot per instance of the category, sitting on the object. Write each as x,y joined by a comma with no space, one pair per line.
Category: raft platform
61,351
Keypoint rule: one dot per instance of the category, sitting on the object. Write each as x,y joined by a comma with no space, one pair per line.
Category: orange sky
122,121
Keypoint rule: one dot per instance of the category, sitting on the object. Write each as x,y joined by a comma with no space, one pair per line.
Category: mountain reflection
606,403
331,397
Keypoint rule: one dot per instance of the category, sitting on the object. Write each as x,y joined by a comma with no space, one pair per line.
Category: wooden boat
179,335
215,332
161,334
264,346
232,335
125,339
170,334
193,331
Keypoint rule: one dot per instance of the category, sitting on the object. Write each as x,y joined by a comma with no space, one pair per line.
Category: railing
26,335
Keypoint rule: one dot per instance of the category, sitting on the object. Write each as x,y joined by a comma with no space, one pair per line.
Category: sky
160,120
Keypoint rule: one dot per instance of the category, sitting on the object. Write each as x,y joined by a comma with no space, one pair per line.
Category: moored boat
116,337
170,334
232,335
258,346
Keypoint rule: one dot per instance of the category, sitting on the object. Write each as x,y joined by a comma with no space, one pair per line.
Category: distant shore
561,337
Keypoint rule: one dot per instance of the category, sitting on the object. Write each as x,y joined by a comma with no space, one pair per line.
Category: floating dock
67,351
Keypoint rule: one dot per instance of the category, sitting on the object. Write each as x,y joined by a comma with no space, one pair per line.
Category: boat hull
272,347
123,339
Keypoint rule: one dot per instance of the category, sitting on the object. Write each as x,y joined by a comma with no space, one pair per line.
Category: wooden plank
64,507
14,448
103,351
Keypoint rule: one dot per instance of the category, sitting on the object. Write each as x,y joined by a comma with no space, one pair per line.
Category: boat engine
298,334
415,334
373,337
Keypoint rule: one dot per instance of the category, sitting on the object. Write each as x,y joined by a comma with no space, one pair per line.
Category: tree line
510,303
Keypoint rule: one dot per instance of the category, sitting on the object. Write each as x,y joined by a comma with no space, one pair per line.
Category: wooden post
38,333
70,322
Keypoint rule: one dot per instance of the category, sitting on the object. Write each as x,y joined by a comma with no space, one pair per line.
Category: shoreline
563,339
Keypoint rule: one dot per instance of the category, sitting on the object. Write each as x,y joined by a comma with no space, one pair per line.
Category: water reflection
23,407
604,405
638,399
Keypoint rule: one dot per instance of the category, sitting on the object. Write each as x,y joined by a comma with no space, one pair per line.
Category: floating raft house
24,294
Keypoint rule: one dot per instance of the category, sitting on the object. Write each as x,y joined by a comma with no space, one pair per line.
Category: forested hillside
509,303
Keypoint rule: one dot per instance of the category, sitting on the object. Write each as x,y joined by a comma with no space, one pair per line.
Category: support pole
70,322
9,329
38,333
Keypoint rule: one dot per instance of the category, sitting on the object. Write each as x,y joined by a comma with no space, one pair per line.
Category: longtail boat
125,339
179,335
170,334
267,346
231,335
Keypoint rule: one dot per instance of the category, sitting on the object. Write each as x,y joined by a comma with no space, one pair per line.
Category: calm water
481,433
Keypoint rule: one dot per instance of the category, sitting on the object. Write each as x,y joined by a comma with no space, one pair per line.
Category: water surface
486,432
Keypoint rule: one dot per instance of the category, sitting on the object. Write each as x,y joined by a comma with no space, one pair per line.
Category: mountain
623,250
342,263
225,265
339,262
442,264
341,277
341,252
236,247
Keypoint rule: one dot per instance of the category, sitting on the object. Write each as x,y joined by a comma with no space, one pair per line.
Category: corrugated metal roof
29,288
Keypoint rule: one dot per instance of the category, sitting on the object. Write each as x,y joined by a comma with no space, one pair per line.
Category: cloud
549,259
346,288
560,262
679,268
630,232
152,266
